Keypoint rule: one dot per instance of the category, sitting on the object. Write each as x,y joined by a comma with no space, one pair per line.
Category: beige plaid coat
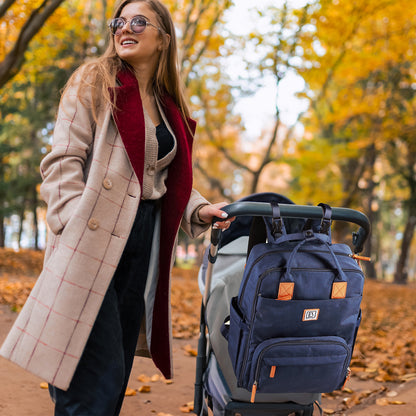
92,185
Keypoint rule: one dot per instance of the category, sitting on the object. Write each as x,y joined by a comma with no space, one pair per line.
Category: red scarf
129,118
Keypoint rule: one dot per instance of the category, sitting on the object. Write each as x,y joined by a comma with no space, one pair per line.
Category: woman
118,183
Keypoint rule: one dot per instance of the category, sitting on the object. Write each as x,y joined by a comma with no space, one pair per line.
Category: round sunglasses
137,25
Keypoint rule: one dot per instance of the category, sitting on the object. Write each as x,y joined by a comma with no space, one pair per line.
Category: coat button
151,170
93,224
107,183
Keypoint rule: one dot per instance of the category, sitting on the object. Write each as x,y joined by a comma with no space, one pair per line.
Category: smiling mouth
128,42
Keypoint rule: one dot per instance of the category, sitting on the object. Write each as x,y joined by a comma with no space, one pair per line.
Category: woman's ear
165,42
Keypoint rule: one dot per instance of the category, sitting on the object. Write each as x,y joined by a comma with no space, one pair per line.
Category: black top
165,140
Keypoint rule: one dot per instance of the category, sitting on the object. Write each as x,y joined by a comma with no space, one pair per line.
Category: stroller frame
263,209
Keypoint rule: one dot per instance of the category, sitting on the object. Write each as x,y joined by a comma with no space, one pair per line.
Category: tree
29,100
359,72
5,209
30,25
270,53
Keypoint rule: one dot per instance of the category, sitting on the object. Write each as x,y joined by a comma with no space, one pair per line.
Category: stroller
219,280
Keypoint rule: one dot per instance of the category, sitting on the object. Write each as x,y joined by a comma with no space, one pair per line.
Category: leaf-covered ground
386,345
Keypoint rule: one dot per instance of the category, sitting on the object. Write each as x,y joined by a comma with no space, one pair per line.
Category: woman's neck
144,76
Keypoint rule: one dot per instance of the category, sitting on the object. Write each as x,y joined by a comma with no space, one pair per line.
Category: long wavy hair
100,74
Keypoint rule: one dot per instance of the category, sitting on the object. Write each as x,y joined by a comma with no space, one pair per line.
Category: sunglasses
137,25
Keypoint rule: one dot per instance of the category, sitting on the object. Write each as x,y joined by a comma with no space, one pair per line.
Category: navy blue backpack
294,322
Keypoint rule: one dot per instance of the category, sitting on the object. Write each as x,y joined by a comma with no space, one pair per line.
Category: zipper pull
253,392
347,377
357,257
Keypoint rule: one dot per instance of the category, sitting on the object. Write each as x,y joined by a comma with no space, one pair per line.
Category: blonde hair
100,74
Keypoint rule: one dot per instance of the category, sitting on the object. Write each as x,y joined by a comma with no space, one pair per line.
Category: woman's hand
208,212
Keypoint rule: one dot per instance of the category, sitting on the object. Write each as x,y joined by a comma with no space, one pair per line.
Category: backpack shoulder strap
258,233
266,229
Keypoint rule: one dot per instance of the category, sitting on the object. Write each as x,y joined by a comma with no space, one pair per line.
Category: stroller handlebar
264,209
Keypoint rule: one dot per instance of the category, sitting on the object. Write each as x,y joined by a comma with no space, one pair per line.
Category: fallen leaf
398,402
130,392
408,377
143,378
382,402
154,378
190,351
187,408
144,389
43,385
329,411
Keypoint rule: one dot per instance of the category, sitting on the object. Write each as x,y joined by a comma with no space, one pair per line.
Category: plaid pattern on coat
92,186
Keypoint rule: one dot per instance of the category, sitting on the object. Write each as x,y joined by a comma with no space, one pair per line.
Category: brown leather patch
339,290
285,291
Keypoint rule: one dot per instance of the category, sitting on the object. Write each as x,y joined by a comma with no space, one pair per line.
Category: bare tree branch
5,6
278,76
213,182
222,149
204,47
191,30
13,61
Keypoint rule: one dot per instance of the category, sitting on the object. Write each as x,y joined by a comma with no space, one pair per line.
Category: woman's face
138,49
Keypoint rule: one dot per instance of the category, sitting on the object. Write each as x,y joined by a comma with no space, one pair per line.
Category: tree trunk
2,231
35,218
22,218
369,251
400,275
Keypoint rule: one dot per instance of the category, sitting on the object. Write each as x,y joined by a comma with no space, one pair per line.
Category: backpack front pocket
278,318
299,365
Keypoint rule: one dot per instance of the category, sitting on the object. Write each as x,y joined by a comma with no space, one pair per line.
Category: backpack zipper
301,250
263,352
277,269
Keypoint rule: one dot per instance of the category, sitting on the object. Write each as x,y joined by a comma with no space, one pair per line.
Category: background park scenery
315,100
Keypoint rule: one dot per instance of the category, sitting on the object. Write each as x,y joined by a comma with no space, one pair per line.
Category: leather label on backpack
285,291
310,315
339,290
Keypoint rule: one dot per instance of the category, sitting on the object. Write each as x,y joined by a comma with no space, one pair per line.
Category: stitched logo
310,315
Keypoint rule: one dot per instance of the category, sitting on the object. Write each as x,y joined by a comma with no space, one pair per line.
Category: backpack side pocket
237,336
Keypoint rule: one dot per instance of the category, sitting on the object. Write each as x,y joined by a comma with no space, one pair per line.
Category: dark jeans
101,377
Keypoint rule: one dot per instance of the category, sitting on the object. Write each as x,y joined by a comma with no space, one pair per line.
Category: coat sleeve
63,168
190,220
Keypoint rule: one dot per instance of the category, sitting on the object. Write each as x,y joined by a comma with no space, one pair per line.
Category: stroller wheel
308,412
